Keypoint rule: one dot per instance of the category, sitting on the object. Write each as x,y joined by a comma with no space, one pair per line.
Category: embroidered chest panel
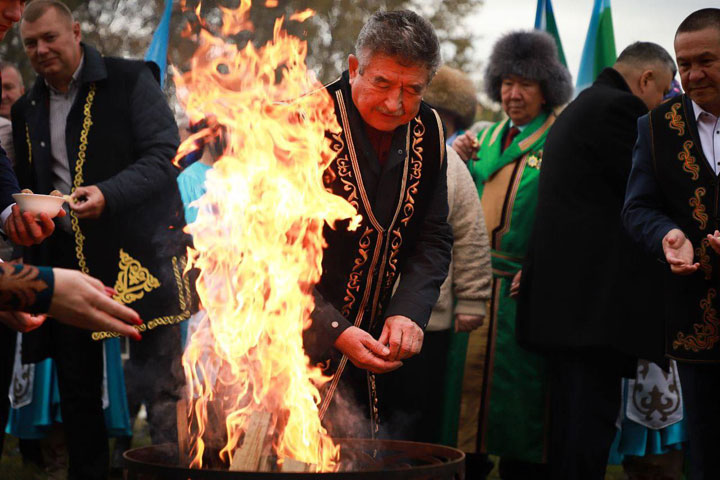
376,250
691,191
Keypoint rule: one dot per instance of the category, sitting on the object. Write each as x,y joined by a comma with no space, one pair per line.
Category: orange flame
302,16
258,243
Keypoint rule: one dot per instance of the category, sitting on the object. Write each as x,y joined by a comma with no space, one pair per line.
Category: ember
258,244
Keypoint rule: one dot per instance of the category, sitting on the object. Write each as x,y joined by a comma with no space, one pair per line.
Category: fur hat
453,91
531,55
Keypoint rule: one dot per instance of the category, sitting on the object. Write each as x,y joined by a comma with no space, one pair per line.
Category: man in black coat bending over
595,318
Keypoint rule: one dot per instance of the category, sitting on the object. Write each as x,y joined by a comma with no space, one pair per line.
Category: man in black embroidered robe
100,129
390,165
671,207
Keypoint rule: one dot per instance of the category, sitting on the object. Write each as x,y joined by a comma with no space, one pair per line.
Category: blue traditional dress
35,398
651,421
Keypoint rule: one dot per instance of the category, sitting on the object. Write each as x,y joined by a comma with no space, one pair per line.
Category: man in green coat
505,400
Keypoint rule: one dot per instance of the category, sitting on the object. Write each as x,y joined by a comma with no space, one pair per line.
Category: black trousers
79,363
585,398
410,398
154,376
701,397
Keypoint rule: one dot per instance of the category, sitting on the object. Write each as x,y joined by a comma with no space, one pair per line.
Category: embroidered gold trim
497,131
408,206
353,158
706,333
183,300
29,143
676,121
689,163
699,208
133,280
355,279
483,134
441,132
529,141
704,258
79,179
507,213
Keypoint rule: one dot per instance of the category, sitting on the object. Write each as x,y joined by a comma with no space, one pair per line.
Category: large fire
258,244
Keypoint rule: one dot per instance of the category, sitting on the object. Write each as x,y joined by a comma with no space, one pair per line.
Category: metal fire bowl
360,459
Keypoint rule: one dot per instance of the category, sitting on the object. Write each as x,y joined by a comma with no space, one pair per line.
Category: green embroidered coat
512,391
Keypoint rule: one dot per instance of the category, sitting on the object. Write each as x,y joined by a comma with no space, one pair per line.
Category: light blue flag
599,50
157,51
545,21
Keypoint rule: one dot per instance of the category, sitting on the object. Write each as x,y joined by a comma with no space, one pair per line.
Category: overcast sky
633,20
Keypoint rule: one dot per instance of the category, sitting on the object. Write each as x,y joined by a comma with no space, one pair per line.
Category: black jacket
585,285
121,136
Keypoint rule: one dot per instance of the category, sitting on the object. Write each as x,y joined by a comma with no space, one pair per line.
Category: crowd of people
540,292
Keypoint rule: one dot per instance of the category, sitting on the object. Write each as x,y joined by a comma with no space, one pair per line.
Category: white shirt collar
75,76
698,110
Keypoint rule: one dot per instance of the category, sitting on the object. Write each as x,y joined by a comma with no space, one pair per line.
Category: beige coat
468,280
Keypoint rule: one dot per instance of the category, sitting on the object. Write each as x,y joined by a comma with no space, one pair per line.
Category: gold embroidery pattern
706,333
698,207
676,121
408,208
704,258
353,284
133,280
689,163
29,143
344,170
183,300
74,221
395,243
415,171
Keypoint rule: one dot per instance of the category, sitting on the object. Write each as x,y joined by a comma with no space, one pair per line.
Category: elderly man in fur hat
525,75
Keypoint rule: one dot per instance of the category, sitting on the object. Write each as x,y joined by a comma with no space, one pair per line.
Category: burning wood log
182,430
248,457
292,465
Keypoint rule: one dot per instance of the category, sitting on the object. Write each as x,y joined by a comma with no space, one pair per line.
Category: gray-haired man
390,165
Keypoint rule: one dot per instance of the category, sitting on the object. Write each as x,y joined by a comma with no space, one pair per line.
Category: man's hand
28,229
467,323
515,285
88,202
715,241
82,301
403,336
679,252
466,146
22,322
364,351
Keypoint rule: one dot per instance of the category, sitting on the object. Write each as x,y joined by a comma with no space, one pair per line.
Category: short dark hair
37,9
700,20
401,34
642,53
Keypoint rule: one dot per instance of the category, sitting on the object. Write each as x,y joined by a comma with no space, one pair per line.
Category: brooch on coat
534,159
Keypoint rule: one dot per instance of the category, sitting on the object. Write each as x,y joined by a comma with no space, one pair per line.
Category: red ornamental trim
699,208
706,333
689,163
676,121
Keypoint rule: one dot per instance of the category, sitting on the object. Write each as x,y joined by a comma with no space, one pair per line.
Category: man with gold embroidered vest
391,166
100,129
506,415
671,207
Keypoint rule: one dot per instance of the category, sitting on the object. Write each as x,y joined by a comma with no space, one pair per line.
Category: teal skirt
33,421
637,440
